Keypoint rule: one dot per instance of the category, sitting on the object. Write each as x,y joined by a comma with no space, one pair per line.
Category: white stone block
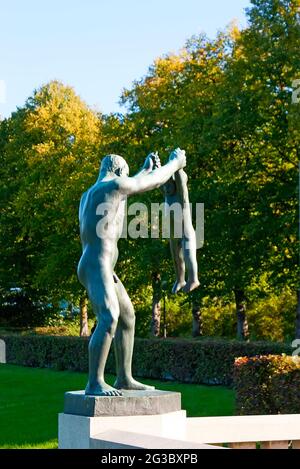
244,428
116,439
75,431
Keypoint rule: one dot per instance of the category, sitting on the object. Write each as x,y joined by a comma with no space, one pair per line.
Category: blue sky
97,46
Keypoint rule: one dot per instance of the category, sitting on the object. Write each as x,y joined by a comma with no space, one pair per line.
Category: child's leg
189,251
177,255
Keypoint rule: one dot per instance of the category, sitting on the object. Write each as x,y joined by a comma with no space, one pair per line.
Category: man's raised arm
146,182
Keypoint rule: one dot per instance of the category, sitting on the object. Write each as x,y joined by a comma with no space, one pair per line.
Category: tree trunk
242,324
197,320
156,306
84,327
298,316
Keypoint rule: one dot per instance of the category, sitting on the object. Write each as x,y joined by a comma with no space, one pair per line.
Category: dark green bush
267,384
204,360
19,308
61,353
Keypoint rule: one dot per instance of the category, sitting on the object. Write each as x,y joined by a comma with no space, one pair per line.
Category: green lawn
31,398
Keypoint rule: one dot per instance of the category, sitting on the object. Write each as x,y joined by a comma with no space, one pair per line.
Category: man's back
94,205
100,204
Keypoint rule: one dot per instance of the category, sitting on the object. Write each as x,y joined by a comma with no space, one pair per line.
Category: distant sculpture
110,301
183,249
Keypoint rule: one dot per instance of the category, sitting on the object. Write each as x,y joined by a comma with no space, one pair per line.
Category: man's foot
178,285
102,389
191,285
132,384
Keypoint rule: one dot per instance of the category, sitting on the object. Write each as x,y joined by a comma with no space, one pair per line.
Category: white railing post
2,351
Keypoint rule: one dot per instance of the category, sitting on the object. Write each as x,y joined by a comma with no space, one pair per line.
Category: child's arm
157,164
181,179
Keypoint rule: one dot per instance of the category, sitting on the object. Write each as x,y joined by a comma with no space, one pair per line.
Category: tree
170,107
228,103
254,204
51,157
156,306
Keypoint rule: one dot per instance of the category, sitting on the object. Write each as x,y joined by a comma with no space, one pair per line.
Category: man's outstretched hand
178,155
153,161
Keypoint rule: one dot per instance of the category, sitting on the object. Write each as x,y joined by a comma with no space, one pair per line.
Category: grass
31,398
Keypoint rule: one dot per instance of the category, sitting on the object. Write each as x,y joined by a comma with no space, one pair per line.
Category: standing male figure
110,301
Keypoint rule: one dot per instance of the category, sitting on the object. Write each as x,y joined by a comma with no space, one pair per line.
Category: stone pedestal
132,403
152,412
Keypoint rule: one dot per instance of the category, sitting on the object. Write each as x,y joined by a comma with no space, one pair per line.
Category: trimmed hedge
267,385
203,360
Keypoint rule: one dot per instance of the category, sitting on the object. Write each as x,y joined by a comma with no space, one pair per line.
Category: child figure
183,249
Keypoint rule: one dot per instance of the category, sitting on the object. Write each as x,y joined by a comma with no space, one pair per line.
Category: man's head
114,164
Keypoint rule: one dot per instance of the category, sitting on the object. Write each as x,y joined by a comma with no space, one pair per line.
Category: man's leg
124,341
106,307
